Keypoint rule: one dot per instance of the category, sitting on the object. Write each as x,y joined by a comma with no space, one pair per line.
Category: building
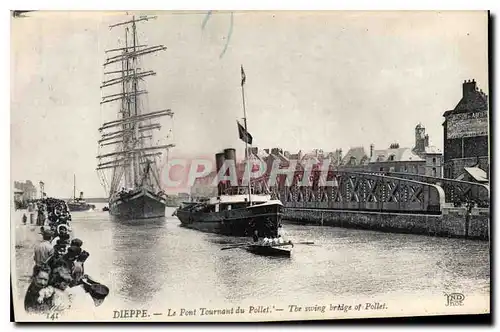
465,131
433,161
18,195
355,159
28,189
432,155
335,158
396,159
183,196
204,187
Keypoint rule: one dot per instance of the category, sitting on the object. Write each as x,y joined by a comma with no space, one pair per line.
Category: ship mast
133,126
247,162
126,113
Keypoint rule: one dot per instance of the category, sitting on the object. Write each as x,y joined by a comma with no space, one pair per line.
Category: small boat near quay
279,250
265,248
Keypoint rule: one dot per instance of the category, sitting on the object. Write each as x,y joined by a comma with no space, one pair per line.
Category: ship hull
141,204
238,222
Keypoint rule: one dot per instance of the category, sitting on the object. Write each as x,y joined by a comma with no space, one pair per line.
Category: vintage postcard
249,166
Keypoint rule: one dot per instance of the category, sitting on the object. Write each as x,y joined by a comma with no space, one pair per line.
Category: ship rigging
130,171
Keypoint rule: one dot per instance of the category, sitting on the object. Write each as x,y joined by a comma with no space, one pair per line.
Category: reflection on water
157,261
141,241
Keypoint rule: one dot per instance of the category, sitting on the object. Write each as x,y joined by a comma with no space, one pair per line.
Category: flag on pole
243,76
244,135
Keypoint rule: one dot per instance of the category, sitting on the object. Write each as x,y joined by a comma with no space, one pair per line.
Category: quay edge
452,222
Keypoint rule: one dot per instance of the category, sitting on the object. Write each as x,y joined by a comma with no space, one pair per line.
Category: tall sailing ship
130,172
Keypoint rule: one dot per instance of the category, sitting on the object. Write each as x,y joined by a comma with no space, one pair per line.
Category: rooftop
476,173
389,155
432,150
473,99
356,154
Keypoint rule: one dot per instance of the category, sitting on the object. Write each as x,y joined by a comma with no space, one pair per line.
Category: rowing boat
283,250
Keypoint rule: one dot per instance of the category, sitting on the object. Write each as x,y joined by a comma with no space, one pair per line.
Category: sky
323,80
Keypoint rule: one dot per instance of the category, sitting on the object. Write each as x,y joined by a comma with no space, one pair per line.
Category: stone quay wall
453,222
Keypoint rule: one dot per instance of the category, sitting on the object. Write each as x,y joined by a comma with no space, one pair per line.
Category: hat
76,242
83,256
96,290
62,226
74,251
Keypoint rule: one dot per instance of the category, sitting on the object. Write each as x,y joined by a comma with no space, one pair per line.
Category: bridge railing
366,192
456,192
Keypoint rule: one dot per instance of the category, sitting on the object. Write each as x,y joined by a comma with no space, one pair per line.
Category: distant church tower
421,139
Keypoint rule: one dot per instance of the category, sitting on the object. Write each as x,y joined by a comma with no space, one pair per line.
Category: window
434,173
391,157
434,161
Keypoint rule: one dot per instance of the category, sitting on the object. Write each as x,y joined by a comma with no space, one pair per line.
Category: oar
291,243
237,244
233,247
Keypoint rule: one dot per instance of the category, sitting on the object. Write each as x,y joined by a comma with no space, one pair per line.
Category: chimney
219,162
468,88
372,147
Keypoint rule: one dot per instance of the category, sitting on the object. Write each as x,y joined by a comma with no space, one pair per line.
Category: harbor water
158,264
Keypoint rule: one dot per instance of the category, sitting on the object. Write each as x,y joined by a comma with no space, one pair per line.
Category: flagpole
243,79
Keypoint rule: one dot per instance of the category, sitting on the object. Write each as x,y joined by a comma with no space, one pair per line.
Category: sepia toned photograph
249,166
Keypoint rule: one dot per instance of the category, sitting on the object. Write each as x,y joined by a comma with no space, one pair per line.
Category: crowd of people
271,241
47,210
58,262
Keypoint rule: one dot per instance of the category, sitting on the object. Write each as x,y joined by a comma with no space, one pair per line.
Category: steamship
235,211
78,203
239,210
